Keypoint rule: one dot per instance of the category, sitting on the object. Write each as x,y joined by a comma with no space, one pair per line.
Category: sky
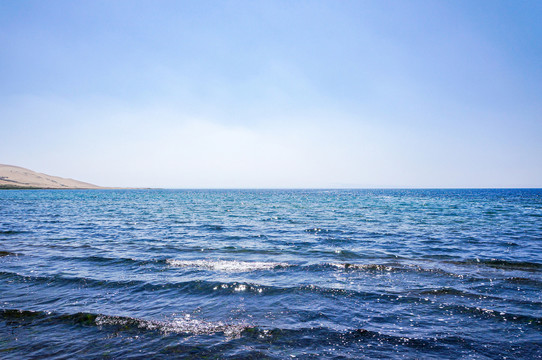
274,94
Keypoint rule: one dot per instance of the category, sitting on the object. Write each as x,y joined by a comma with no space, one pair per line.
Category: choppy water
271,274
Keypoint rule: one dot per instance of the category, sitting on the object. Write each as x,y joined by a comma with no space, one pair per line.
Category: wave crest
182,325
226,265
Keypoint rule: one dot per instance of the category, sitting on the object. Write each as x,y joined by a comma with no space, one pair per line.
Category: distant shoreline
14,187
18,178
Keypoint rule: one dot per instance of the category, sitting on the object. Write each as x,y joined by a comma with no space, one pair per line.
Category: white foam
182,325
377,267
226,265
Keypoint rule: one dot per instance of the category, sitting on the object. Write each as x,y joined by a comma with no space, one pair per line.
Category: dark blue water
286,274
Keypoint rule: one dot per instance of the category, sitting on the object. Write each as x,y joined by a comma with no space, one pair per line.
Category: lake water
252,274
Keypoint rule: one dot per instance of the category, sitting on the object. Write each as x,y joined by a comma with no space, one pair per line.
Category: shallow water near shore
278,274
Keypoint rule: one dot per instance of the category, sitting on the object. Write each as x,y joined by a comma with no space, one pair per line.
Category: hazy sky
221,94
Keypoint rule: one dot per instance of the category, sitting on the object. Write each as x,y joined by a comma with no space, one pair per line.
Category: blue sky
252,94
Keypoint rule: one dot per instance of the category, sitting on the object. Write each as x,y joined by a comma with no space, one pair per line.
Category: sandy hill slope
18,177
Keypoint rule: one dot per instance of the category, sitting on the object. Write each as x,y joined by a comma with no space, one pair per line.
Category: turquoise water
282,274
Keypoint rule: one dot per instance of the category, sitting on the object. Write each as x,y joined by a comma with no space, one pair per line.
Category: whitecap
182,325
226,265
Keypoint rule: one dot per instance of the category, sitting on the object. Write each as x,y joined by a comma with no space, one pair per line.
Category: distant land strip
15,177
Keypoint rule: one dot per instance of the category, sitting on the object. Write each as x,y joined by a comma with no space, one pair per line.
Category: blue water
338,274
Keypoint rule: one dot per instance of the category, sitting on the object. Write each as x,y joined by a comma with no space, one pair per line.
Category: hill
15,177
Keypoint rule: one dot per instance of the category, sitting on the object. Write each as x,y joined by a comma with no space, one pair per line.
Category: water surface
271,274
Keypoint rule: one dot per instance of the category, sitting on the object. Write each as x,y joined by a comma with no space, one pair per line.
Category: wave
242,266
493,314
449,291
104,260
179,325
186,325
11,232
227,265
200,287
500,264
182,325
394,267
247,266
51,280
457,292
317,230
324,335
211,227
238,266
7,253
364,267
218,288
407,266
524,281
216,265
398,266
